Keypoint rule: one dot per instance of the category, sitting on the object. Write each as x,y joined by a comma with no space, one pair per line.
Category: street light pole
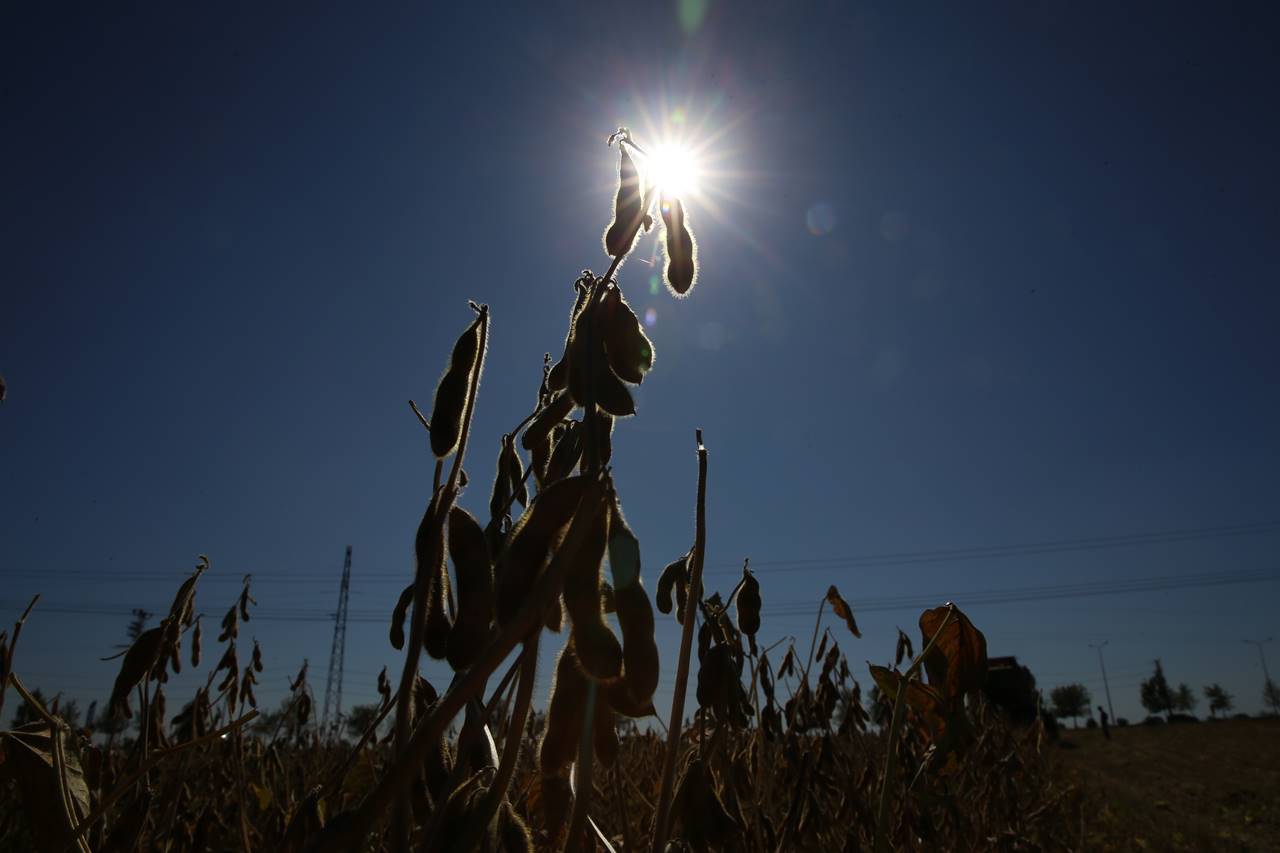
1262,657
1105,685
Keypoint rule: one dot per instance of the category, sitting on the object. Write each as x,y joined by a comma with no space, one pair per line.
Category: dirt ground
1186,786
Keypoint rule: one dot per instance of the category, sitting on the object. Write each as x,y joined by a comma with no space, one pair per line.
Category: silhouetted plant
767,759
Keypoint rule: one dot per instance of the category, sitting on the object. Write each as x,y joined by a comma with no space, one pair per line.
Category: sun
673,170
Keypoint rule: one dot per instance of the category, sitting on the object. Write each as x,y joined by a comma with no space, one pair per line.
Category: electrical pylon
333,686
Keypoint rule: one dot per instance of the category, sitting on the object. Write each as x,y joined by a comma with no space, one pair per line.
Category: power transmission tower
333,686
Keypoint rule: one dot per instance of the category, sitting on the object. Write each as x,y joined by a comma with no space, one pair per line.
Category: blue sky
977,276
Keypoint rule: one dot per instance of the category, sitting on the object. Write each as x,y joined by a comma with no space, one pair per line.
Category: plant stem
891,757
350,834
619,795
686,647
56,729
156,757
817,623
582,772
335,781
6,665
421,418
480,820
433,520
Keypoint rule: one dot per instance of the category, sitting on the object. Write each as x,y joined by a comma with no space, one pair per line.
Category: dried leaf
958,661
675,572
904,650
841,608
27,757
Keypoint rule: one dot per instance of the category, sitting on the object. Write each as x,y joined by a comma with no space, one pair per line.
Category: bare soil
1185,786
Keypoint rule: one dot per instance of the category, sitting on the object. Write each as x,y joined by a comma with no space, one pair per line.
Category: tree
109,723
359,718
24,713
138,624
1184,699
1070,700
69,710
1271,696
1156,696
1219,699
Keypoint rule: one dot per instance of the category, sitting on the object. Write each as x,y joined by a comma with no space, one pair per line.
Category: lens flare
673,170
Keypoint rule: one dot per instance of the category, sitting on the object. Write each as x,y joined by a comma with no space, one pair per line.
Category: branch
686,646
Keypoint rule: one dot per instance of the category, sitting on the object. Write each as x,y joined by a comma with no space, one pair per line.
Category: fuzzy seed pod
451,393
531,540
513,831
603,424
565,712
230,626
500,497
398,614
540,457
605,733
174,647
195,644
245,600
627,208
474,572
138,661
565,456
706,822
453,819
611,395
628,348
554,797
246,689
682,251
438,625
182,609
749,603
553,618
558,377
551,415
429,549
640,662
674,574
598,649
515,474
583,350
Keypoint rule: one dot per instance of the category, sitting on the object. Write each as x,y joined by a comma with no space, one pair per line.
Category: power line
1013,595
1018,595
937,555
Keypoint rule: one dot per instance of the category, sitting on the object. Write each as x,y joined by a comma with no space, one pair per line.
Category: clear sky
973,276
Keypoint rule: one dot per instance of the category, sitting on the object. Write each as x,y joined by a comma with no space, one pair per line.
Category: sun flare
673,171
